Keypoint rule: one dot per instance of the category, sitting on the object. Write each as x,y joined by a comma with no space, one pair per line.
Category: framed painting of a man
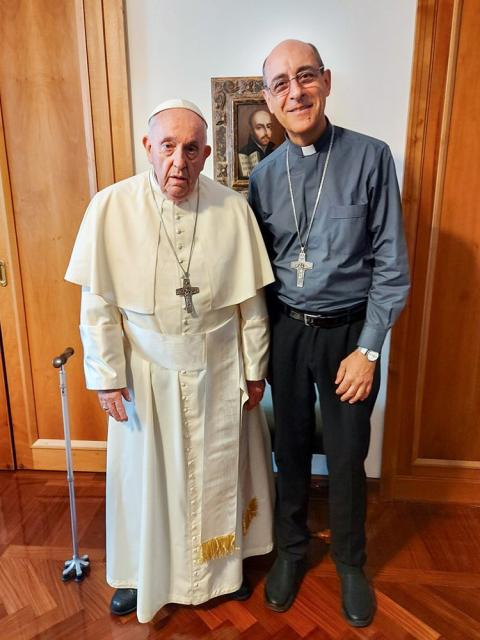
244,130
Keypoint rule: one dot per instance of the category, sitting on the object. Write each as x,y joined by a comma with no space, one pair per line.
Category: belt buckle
308,319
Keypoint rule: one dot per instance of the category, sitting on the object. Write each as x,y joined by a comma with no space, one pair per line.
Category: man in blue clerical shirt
328,204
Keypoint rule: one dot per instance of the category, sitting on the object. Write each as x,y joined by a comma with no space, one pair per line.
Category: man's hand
111,402
255,393
354,378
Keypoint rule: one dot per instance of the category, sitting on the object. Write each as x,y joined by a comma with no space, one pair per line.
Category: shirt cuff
104,362
372,337
256,373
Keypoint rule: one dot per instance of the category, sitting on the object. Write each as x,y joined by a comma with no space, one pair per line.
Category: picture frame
244,131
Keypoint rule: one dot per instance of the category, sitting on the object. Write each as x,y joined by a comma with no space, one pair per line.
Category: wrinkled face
262,127
176,147
301,109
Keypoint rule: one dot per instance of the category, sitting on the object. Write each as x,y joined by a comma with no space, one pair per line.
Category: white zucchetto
177,103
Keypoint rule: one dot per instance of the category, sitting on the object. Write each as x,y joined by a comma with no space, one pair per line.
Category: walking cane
78,566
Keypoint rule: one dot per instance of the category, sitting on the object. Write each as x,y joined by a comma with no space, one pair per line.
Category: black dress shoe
243,593
358,601
283,582
124,601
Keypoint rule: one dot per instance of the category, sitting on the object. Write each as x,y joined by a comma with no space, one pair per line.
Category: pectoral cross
187,291
301,265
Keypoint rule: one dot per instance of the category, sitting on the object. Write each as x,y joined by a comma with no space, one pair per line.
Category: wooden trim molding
12,319
87,455
105,36
52,443
435,222
118,88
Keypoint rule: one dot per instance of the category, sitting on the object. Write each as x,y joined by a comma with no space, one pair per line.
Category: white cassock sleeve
102,339
254,327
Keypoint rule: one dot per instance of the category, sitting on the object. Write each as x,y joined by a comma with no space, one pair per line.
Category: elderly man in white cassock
175,336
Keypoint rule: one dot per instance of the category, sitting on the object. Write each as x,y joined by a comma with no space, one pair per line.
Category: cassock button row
179,246
179,231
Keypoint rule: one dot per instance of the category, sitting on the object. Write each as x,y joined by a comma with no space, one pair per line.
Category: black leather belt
327,320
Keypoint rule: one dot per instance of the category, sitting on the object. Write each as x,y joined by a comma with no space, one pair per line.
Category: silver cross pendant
301,265
187,291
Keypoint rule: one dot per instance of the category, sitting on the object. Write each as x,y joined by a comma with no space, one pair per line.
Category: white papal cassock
189,486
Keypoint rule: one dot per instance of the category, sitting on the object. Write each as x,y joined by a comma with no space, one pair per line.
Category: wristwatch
371,355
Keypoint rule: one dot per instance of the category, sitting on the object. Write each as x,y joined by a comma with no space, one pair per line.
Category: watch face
372,356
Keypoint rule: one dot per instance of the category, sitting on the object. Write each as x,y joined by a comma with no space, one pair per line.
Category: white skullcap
177,103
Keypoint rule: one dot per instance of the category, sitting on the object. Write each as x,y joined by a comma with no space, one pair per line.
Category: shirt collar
319,145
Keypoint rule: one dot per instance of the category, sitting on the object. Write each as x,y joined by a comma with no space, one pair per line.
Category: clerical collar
319,145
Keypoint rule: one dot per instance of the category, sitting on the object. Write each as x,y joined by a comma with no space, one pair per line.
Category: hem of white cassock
172,598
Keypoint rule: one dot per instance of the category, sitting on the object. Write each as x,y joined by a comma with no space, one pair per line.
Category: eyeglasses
281,85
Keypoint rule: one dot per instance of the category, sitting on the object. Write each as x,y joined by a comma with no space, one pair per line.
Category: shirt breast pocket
347,211
347,229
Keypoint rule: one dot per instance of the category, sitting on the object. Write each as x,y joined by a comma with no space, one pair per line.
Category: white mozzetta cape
120,232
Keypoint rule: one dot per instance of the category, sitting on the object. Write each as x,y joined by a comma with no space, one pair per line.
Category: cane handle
63,357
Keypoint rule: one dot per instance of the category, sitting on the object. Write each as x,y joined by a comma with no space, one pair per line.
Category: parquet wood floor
424,561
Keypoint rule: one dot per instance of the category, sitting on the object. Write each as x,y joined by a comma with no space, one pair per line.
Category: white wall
175,48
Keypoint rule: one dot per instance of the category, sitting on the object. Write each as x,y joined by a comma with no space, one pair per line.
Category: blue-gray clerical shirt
357,243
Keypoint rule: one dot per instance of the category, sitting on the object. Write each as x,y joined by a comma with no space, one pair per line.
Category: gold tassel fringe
217,547
250,513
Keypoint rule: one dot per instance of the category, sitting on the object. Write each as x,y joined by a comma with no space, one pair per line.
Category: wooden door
432,438
65,133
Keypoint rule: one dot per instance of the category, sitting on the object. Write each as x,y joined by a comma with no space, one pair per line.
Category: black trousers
302,357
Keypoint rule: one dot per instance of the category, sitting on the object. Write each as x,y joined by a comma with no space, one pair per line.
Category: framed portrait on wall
244,131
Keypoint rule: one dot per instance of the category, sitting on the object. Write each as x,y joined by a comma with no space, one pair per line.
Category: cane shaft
68,455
